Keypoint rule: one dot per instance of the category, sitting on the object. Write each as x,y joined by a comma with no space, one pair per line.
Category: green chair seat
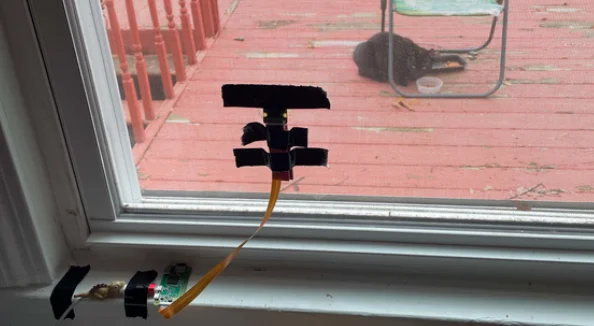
447,7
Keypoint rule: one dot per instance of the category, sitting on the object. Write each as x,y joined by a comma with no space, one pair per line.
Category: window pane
532,139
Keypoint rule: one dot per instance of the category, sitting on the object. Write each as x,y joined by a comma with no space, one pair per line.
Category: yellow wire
191,294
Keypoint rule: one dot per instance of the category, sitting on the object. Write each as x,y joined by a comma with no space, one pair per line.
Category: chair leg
412,95
466,50
383,9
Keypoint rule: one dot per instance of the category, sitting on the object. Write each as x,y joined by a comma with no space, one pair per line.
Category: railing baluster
176,51
127,82
205,5
187,33
199,34
141,72
161,51
216,19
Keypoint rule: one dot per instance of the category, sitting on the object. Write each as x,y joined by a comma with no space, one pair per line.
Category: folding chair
448,8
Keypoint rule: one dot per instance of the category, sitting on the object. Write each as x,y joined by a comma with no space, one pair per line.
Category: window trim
121,212
73,91
32,243
483,231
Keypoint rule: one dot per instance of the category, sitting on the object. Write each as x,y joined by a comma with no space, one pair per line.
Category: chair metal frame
397,89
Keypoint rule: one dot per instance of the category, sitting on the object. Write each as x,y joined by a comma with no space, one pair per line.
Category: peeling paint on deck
328,43
567,24
358,15
481,167
543,68
585,189
274,24
176,118
533,166
542,81
563,9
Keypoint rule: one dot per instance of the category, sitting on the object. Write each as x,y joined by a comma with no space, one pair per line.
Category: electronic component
173,284
173,279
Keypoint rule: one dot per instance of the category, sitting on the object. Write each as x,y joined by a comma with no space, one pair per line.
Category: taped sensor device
135,294
173,284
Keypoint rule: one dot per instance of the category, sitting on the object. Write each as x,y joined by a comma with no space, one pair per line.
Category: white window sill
248,296
479,262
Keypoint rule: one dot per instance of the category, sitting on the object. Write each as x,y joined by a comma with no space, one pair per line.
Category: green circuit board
174,283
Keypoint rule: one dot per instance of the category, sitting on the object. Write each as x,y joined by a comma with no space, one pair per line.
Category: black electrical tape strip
250,157
274,97
136,293
309,156
61,297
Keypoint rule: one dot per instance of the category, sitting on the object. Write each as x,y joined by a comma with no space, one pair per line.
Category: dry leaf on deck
521,206
400,103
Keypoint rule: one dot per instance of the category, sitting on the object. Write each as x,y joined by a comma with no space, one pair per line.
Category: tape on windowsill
61,297
136,293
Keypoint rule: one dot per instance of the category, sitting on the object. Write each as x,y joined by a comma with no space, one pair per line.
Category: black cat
411,61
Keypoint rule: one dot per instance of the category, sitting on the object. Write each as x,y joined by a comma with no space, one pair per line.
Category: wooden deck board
537,129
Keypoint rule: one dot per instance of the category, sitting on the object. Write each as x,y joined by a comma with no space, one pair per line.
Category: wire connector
104,291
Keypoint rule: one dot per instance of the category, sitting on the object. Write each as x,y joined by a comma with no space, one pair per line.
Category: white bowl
429,85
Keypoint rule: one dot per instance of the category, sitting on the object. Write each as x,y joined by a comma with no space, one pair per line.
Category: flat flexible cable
197,289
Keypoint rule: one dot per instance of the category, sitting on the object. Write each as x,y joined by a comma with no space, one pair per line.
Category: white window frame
418,235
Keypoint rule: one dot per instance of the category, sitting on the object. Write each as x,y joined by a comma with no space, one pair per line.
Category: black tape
278,138
275,136
61,297
280,162
298,137
136,293
275,98
250,157
309,157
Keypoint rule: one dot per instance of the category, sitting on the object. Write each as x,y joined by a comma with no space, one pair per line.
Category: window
505,171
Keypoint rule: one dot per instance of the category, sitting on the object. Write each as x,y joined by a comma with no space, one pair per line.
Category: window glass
531,139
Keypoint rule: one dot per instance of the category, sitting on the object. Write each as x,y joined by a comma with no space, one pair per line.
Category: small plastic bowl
429,85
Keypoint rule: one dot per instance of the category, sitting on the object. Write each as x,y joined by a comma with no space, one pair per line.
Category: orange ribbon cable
195,291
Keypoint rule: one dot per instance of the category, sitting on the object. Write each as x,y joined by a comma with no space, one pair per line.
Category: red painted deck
534,137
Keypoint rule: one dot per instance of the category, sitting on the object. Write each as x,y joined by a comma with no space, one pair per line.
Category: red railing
199,35
161,51
199,19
